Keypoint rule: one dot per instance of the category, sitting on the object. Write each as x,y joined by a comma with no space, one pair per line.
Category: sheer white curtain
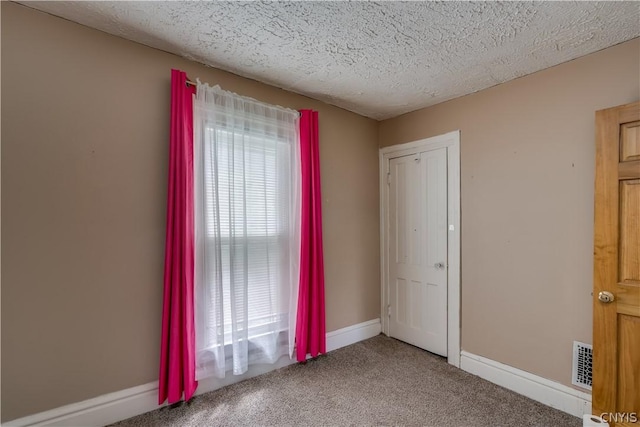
247,226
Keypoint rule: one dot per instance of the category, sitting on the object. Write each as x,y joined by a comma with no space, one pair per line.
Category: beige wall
527,160
84,159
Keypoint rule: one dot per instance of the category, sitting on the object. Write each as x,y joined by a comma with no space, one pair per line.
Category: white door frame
451,141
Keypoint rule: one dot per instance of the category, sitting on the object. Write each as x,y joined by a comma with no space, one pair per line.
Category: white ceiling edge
377,59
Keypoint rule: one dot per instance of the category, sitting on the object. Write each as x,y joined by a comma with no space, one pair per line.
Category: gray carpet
380,381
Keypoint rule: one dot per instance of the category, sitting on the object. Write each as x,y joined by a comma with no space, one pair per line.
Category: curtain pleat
177,355
310,325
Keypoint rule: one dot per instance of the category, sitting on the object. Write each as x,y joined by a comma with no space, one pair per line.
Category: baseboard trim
353,334
120,405
98,411
550,393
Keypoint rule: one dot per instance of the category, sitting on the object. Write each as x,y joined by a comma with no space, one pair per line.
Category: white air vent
582,365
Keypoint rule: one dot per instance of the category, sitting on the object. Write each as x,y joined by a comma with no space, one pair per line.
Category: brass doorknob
606,296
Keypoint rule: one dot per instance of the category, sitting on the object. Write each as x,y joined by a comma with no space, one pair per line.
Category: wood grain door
616,291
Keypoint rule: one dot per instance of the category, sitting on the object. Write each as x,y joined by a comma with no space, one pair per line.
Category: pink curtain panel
177,355
310,327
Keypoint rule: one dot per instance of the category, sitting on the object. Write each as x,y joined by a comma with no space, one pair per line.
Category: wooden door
417,249
616,323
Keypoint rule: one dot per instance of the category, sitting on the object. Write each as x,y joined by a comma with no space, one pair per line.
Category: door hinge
388,178
389,310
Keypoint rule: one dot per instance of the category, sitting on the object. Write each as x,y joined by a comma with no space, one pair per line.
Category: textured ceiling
378,59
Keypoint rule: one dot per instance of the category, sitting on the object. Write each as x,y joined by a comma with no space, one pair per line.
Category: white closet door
417,249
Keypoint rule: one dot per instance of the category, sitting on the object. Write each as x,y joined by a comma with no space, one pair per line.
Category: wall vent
582,365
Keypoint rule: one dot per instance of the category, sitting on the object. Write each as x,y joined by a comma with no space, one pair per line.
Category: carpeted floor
380,381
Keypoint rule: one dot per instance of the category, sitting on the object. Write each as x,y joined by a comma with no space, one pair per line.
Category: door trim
451,141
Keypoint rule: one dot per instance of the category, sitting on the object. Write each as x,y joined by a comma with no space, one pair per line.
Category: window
252,218
247,238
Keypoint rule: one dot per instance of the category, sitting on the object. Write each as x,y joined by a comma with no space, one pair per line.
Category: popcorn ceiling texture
378,59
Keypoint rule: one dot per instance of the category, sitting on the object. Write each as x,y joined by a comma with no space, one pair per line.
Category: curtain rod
189,82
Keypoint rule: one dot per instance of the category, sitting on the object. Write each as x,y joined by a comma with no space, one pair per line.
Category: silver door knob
606,296
439,265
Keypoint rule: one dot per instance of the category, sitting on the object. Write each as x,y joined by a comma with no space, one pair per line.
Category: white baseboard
99,411
551,393
120,405
353,334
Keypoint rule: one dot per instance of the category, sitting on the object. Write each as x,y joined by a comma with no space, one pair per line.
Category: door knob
606,296
439,265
